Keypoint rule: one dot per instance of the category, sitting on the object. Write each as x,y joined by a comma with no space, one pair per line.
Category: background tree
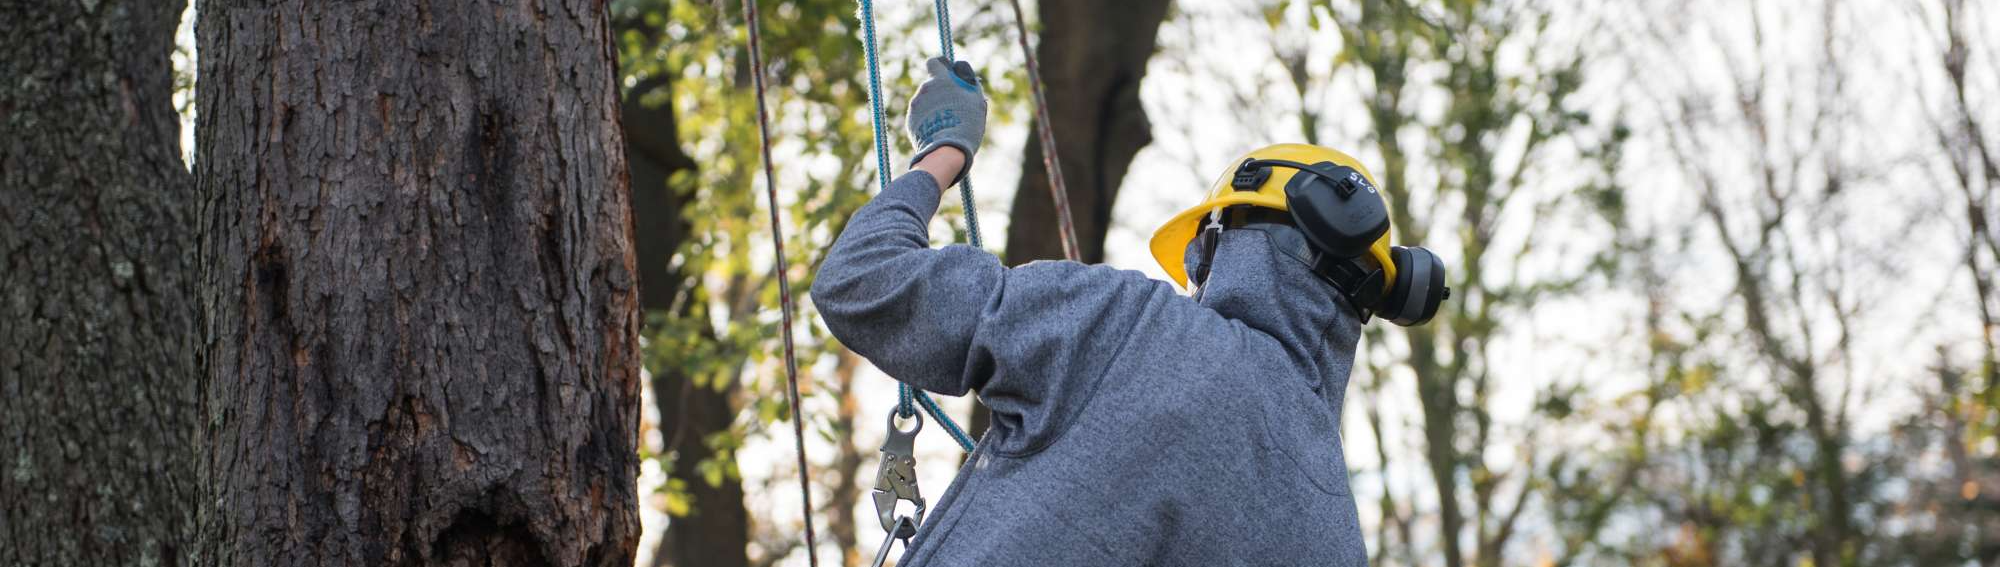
1765,474
420,295
96,377
1456,180
1957,501
712,525
1093,57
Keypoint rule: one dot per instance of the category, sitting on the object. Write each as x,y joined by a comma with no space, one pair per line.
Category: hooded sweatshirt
1131,425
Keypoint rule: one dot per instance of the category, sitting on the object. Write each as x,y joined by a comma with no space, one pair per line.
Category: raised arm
888,296
1033,340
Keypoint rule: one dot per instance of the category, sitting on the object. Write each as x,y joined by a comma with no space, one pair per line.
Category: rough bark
1093,55
96,380
419,297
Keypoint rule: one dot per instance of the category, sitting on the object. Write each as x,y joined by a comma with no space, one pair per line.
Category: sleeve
1032,339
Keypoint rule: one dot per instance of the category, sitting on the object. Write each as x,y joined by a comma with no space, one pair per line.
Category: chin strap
1211,237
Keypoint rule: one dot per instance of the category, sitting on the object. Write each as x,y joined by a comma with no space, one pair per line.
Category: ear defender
1339,211
1419,287
1342,215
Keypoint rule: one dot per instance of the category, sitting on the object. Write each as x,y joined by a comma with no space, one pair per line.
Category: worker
1134,425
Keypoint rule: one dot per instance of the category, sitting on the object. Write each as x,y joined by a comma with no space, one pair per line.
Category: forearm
943,164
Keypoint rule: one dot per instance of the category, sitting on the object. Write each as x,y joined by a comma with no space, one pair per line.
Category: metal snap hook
896,477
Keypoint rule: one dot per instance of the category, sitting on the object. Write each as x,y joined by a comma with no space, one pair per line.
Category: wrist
943,164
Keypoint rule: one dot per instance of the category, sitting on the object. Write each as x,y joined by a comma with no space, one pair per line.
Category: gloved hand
948,110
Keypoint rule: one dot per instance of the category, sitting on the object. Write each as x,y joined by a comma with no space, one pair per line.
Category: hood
1251,281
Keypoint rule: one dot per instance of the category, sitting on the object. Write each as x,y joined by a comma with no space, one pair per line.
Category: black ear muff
1419,287
1340,212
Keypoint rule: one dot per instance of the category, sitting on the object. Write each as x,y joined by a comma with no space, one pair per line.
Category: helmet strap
1211,237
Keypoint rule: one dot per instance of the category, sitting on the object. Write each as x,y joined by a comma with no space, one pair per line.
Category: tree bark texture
96,378
1093,55
420,294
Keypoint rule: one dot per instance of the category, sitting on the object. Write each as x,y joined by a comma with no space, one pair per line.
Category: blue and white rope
907,398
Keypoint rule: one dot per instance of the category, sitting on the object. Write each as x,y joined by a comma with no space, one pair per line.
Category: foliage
1456,178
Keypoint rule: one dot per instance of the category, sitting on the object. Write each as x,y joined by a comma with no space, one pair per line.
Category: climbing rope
896,477
908,399
784,280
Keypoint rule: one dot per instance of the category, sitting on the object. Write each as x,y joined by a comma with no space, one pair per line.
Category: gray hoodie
1131,425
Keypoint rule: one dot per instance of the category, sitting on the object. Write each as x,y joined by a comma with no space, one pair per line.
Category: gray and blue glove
948,110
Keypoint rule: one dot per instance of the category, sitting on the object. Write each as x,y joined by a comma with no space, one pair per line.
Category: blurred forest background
1724,272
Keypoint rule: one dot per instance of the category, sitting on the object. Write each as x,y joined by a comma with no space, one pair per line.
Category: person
1132,425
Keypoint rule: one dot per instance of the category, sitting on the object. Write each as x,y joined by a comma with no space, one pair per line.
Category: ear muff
1419,287
1336,207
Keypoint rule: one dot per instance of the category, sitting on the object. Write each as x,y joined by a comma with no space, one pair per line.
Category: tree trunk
653,151
1093,55
96,380
716,529
420,300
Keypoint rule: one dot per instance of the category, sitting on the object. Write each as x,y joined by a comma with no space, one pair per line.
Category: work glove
949,110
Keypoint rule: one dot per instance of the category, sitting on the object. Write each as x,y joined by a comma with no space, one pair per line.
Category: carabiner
896,478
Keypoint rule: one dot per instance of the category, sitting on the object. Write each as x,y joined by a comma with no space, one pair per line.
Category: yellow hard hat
1170,242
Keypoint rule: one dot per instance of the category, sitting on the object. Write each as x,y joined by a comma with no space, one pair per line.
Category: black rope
783,267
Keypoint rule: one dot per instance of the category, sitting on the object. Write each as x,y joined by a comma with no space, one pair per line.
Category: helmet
1170,242
1330,198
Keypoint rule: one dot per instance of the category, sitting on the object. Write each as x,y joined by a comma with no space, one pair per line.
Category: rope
909,399
783,268
931,407
1046,130
964,185
875,105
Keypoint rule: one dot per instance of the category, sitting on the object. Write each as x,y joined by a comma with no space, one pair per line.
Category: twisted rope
783,268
